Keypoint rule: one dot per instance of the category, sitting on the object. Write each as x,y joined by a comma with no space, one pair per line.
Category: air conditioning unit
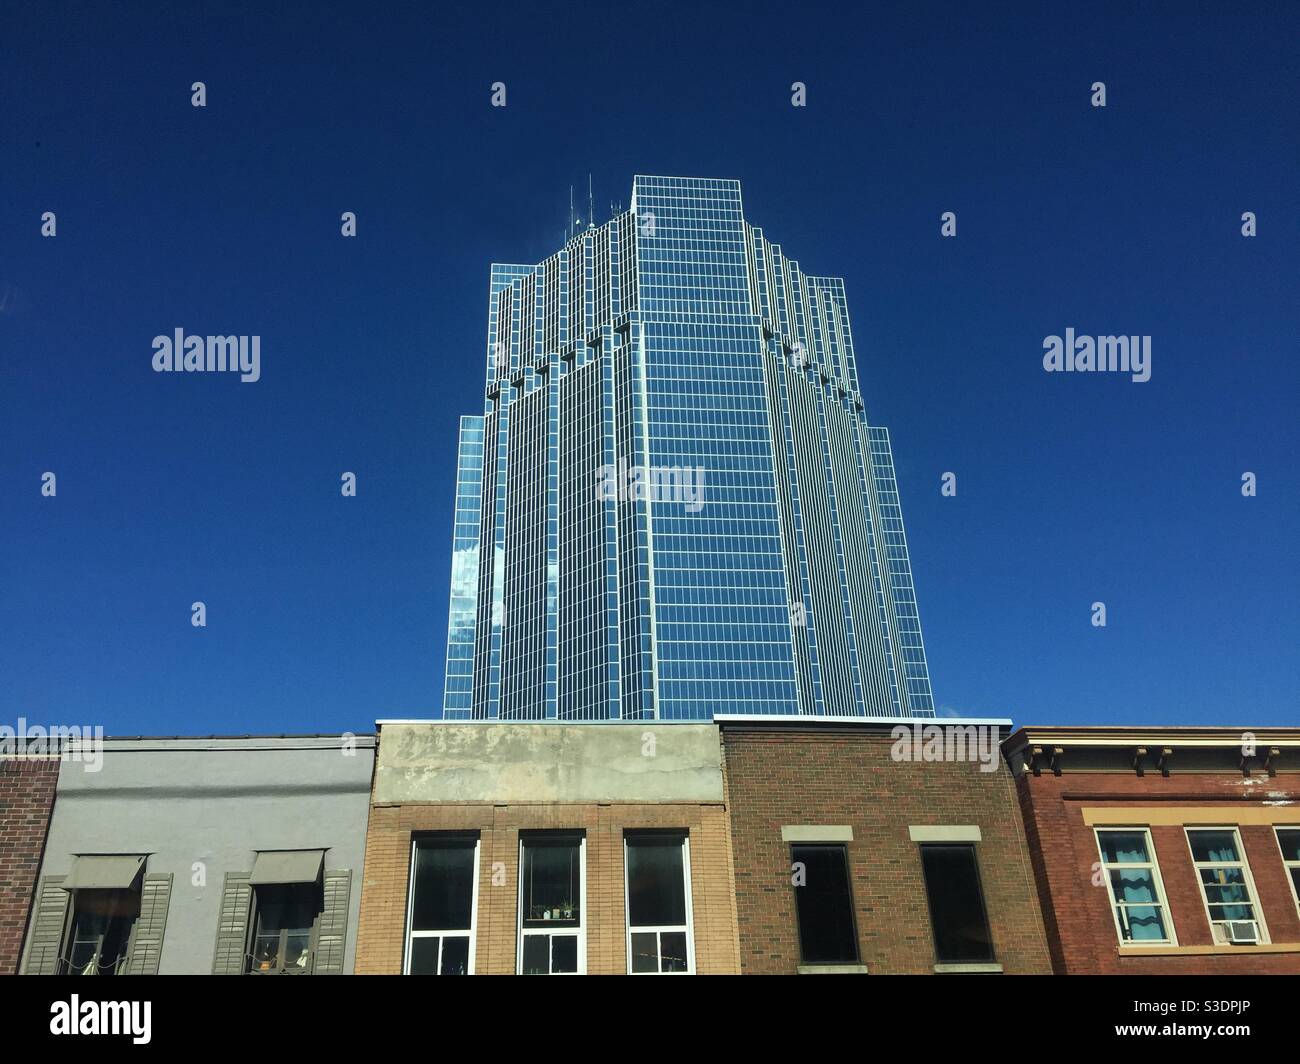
1241,932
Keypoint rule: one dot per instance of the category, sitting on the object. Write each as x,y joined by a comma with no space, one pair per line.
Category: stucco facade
200,812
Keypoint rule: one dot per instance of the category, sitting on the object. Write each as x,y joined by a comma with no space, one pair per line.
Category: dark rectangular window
101,928
440,927
952,882
550,883
657,903
824,904
282,936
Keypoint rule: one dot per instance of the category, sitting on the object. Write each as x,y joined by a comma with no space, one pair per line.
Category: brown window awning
104,872
287,866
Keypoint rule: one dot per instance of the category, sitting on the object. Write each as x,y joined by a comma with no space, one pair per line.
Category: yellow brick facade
382,928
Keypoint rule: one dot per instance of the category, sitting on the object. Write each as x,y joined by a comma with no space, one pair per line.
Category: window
1133,880
1289,840
658,904
105,890
283,928
824,905
288,898
101,931
442,906
957,915
552,937
1225,885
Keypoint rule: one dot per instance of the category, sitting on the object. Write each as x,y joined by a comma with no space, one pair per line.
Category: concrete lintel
816,833
944,832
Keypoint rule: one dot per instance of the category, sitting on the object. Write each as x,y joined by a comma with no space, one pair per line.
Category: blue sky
325,613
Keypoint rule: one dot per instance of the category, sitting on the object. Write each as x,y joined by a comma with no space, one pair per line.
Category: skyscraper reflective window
673,505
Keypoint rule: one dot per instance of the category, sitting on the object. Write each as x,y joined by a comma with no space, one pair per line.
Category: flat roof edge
734,718
907,722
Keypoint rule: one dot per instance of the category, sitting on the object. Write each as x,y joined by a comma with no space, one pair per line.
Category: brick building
497,848
27,786
879,847
1164,850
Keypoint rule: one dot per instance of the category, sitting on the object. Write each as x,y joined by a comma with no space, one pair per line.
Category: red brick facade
26,801
827,775
1101,787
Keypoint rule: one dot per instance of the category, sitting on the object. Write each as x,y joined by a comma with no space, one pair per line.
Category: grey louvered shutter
45,946
147,935
232,924
332,934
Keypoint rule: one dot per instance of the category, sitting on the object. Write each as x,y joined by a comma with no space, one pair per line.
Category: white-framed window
1226,885
657,900
552,904
1137,896
1288,841
442,907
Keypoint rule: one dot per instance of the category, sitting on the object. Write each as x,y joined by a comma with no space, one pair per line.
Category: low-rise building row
739,846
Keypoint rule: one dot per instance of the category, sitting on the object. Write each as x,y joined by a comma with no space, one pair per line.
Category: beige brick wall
387,870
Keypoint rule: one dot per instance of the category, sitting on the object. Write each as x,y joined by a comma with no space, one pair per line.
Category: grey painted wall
215,801
635,761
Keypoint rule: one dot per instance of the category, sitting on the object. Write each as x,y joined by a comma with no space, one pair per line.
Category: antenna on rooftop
591,209
570,212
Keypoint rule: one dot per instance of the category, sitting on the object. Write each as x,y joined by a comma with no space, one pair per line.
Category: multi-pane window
101,931
1225,884
552,938
824,904
658,904
1133,880
1289,840
440,921
282,931
957,914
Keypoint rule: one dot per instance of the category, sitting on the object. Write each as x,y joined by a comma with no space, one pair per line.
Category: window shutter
147,935
45,945
332,935
232,924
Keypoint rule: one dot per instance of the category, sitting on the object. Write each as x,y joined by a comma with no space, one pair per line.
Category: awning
115,872
287,866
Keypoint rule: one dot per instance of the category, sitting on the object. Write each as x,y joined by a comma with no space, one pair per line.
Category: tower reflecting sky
673,505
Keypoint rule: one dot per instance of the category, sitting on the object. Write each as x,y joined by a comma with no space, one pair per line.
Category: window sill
1196,951
968,969
832,969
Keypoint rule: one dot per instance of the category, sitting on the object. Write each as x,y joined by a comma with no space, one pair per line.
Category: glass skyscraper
673,506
